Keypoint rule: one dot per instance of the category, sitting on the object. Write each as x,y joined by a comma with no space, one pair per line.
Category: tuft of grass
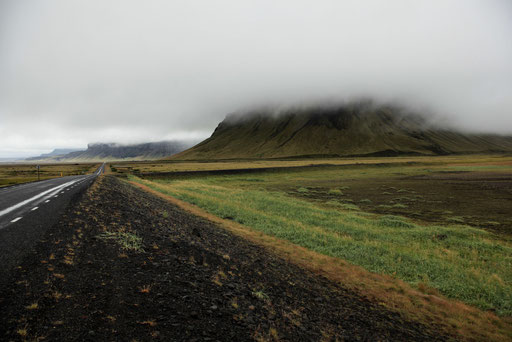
56,295
216,280
456,219
23,332
343,205
32,306
335,192
493,223
127,241
145,289
302,190
254,180
260,295
366,201
150,323
390,221
349,206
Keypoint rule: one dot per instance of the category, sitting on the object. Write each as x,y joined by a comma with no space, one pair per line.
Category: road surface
28,210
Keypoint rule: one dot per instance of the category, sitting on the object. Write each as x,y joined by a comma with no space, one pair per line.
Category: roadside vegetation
313,209
11,174
464,263
126,240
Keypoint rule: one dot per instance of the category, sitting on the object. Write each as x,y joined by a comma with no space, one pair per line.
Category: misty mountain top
343,110
362,128
156,144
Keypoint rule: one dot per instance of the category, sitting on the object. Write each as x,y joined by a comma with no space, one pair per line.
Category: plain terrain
405,248
123,264
11,174
441,224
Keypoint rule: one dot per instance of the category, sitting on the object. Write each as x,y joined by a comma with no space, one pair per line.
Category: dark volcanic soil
478,199
192,281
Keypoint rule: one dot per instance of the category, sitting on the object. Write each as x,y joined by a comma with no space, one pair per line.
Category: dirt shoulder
188,280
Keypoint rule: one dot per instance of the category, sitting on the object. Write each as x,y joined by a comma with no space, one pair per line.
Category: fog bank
129,71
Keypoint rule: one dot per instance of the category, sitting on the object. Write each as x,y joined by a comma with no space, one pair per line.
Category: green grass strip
462,262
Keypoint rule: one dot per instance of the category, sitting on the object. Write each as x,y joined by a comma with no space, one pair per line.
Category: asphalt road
28,210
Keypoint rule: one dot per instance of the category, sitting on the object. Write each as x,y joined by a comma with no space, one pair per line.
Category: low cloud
131,71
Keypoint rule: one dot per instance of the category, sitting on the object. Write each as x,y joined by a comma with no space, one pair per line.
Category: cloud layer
74,72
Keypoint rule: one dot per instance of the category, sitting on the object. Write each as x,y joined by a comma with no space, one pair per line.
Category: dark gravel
193,281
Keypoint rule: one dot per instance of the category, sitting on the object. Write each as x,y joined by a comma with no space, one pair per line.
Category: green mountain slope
348,130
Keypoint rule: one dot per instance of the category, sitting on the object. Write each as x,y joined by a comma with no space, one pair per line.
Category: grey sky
73,72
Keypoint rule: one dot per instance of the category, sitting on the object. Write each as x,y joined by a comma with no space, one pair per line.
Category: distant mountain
356,129
113,151
55,152
10,160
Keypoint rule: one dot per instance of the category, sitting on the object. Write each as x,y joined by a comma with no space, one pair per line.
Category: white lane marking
22,203
35,208
16,219
24,185
46,201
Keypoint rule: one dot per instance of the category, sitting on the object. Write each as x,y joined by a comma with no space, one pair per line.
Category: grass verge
460,262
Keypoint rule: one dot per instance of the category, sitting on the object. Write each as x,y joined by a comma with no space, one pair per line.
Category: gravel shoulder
184,279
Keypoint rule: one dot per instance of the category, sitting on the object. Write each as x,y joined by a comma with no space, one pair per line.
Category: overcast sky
74,72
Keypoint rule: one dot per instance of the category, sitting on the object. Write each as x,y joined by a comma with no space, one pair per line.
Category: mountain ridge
54,153
356,129
115,151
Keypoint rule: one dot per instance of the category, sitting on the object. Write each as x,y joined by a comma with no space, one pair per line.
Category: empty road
28,210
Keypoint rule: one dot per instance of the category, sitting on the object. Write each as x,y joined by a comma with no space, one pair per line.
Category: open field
11,174
359,213
164,166
472,190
